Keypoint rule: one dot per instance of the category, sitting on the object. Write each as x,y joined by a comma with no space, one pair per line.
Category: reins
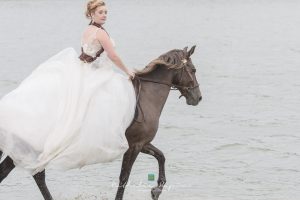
172,86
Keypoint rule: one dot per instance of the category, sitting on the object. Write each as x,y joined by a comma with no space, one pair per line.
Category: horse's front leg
128,160
6,167
40,181
152,150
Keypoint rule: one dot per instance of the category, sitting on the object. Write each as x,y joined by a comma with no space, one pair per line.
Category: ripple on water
229,146
7,82
85,196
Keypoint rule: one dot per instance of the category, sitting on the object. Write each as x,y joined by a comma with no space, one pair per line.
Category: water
242,142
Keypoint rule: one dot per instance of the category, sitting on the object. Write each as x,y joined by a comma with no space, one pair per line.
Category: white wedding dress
67,113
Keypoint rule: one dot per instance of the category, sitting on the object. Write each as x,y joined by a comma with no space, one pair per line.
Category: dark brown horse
172,70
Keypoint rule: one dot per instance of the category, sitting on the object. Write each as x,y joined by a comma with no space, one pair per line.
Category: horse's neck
157,93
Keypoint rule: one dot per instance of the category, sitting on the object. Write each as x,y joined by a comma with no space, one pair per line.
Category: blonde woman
73,109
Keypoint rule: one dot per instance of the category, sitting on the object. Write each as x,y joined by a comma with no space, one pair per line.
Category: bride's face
100,15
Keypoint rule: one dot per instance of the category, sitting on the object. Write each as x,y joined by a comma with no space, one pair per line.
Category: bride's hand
131,74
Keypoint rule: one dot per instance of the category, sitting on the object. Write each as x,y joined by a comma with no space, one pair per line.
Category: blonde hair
91,6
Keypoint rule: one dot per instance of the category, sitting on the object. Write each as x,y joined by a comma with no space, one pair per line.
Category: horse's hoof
155,192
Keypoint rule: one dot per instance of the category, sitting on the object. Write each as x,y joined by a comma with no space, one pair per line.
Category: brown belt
87,58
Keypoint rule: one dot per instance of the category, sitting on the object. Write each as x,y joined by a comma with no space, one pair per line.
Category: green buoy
150,177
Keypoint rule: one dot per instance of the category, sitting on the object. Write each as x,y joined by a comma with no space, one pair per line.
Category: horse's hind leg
6,167
152,150
128,160
40,181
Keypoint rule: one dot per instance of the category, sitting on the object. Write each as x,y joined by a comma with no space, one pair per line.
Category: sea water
242,142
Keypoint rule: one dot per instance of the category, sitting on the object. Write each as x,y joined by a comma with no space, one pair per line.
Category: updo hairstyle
91,6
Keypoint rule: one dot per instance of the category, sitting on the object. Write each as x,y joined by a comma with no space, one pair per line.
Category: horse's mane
171,60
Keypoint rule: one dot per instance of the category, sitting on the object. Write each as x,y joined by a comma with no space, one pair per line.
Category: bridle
184,89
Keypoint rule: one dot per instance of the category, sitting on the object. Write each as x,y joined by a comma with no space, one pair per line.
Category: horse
172,70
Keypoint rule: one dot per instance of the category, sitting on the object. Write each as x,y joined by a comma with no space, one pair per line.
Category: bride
72,110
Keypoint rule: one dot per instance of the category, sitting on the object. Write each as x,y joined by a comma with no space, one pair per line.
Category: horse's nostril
200,98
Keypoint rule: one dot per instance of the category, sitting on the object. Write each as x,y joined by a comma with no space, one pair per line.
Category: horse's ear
185,49
191,51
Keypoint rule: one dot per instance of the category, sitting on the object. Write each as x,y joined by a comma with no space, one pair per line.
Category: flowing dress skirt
67,114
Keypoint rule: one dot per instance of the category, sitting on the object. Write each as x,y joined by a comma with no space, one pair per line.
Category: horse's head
181,71
184,78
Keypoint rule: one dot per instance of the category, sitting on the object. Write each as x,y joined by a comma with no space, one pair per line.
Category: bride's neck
96,24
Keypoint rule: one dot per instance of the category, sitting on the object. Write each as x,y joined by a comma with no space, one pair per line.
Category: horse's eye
194,70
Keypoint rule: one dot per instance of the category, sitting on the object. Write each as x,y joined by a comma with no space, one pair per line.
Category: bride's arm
111,53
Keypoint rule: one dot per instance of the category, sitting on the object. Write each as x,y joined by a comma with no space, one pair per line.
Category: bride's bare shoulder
101,34
88,31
